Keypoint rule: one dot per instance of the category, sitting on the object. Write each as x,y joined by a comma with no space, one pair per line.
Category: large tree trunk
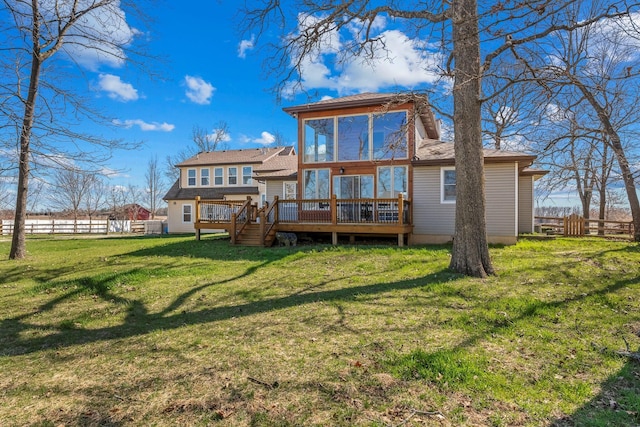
18,246
470,255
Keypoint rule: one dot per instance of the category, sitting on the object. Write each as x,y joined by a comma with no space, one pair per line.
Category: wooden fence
94,226
575,225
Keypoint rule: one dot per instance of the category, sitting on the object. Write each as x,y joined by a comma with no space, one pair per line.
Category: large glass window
318,140
316,184
191,177
204,177
390,136
392,180
448,190
353,138
217,176
353,187
246,175
233,176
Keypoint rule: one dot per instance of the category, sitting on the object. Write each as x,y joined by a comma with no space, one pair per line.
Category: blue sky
211,73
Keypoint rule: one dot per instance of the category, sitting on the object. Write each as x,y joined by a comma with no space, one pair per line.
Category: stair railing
242,217
266,223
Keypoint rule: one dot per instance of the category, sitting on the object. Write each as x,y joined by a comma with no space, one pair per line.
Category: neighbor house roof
384,100
434,153
207,193
230,157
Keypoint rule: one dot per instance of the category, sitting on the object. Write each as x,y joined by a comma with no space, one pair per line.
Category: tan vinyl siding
429,215
501,189
525,205
174,217
274,188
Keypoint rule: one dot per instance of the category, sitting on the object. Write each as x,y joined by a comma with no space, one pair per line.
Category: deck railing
217,211
344,211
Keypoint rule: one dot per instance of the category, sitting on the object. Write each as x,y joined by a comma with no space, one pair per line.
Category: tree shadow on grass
617,404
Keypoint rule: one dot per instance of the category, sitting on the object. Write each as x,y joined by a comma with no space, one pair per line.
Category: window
353,187
233,176
246,175
290,190
217,176
186,213
204,177
448,189
191,177
353,138
318,140
316,184
392,181
390,136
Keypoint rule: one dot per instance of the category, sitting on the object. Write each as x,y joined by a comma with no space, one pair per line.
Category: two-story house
229,175
367,164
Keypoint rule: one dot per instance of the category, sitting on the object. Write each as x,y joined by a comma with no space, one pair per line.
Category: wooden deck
247,224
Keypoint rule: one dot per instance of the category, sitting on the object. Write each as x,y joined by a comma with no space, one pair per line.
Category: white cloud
265,138
198,90
116,88
144,126
398,61
99,37
246,45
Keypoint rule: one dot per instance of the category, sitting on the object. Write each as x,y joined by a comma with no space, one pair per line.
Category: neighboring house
230,175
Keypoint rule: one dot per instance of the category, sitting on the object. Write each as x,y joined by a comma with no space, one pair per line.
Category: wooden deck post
232,229
263,224
334,209
400,209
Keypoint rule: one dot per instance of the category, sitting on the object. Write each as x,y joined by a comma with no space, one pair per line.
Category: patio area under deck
247,224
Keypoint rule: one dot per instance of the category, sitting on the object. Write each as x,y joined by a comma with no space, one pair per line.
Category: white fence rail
83,226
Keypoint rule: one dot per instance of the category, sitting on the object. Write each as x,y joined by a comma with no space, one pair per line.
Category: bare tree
463,30
37,34
155,185
598,62
203,141
69,192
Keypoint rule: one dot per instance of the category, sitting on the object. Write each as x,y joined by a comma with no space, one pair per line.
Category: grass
170,331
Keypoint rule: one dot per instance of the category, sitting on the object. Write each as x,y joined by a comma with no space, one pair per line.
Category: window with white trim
290,190
191,177
204,177
186,213
448,185
218,178
233,176
247,171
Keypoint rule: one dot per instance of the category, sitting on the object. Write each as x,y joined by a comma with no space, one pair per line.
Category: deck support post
334,238
197,234
197,215
400,239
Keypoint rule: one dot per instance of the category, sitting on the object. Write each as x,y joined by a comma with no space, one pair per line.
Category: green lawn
170,331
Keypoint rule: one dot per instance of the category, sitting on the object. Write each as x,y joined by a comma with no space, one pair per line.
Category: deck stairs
250,236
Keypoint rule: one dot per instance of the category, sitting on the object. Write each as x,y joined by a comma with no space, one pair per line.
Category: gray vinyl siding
429,215
525,205
501,198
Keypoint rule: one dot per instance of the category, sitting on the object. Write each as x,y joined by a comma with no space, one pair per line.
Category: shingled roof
369,99
433,153
206,193
231,157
